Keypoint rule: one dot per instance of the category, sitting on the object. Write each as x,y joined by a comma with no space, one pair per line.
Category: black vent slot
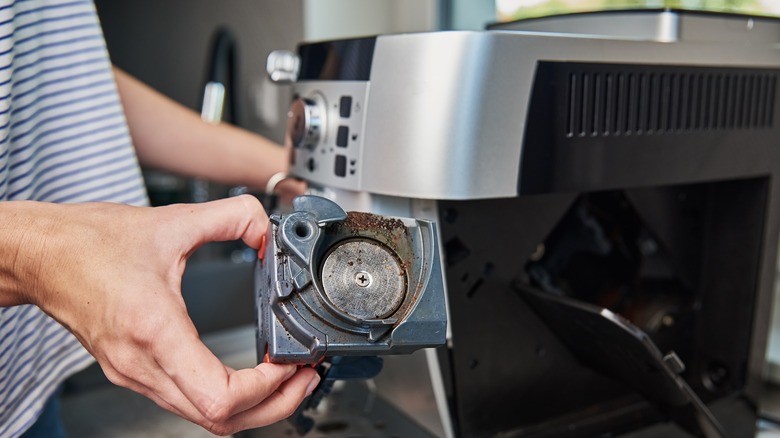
630,102
600,126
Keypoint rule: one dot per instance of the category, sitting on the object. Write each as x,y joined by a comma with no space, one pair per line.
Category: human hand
288,188
112,275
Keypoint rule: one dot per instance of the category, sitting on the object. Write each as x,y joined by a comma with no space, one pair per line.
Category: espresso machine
605,189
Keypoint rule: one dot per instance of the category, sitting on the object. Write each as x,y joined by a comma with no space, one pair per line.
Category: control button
345,106
352,162
311,164
342,137
341,165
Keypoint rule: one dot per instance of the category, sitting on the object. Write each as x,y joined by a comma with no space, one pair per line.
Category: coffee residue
367,221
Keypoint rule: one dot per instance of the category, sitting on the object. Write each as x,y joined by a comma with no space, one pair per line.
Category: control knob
305,122
283,66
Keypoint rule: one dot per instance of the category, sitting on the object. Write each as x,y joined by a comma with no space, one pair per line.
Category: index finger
217,392
241,217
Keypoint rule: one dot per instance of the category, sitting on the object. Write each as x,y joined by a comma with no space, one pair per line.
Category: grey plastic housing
297,323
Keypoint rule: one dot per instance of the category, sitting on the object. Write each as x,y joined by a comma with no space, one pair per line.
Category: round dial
305,122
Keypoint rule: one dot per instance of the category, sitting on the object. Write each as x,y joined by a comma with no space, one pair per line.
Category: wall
471,14
165,44
331,19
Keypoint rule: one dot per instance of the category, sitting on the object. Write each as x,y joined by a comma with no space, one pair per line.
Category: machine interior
677,261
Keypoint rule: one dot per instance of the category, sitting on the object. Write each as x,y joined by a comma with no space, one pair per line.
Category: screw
363,279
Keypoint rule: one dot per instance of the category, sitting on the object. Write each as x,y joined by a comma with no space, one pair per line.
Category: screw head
363,279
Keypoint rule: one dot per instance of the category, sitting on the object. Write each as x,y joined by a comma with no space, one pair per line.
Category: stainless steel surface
461,114
443,110
363,279
318,164
283,66
661,26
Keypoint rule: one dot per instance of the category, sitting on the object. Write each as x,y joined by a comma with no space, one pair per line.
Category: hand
112,275
289,188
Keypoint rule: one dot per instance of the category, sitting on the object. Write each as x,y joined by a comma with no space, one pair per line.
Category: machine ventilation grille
637,103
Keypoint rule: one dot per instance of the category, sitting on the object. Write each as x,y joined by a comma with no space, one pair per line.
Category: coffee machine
605,187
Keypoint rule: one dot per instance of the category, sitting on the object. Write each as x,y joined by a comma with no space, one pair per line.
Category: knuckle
116,377
217,410
147,327
141,337
123,369
249,203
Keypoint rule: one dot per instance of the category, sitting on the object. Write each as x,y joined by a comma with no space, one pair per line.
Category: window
509,10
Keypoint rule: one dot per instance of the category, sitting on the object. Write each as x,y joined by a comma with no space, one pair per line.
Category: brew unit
625,161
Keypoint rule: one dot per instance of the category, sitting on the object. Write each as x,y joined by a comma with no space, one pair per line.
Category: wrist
24,227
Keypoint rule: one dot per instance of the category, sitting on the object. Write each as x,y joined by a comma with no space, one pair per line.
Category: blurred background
508,10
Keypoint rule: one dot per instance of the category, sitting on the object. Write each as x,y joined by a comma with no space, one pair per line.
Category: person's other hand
112,274
289,188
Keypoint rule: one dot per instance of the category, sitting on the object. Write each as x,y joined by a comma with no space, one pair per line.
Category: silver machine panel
444,114
623,160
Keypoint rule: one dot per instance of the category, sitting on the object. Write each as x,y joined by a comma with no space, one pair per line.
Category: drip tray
611,345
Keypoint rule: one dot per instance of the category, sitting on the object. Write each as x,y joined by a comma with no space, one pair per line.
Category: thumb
240,217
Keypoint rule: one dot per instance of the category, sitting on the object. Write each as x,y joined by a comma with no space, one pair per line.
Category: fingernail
313,384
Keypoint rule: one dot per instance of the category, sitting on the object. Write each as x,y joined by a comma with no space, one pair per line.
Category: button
342,136
341,165
345,106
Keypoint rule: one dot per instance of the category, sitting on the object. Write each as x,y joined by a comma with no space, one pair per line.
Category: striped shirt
63,138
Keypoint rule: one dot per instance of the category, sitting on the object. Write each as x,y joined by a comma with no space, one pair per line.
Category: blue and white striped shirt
63,138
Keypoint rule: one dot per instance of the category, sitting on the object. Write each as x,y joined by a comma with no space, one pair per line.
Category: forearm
170,137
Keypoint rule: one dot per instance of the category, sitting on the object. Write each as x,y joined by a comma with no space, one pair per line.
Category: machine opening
602,252
675,260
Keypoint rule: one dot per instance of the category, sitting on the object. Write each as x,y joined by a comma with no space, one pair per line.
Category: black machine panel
662,257
595,126
342,60
644,189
